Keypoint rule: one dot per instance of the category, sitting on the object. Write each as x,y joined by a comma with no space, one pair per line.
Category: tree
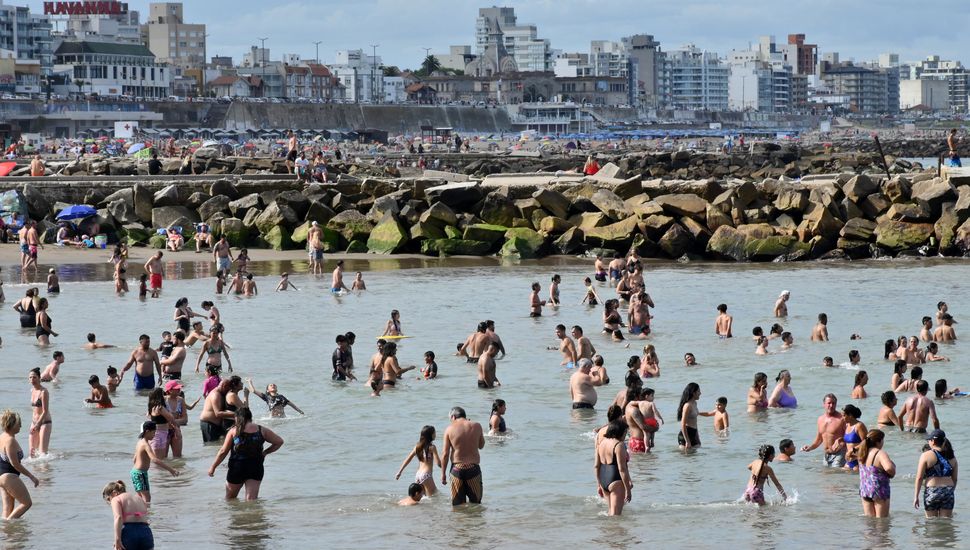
80,84
429,65
392,71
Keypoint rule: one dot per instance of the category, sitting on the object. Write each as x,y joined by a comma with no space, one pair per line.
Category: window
114,72
153,73
183,44
171,45
181,34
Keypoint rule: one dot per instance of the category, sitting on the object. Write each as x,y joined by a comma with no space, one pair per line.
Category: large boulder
676,241
617,235
441,214
383,206
276,214
945,228
224,187
715,218
195,200
240,206
126,194
458,195
610,204
295,200
683,204
552,225
424,231
858,229
962,207
123,211
859,187
498,209
916,211
522,243
319,212
819,221
484,232
727,243
935,192
875,205
897,236
897,189
167,196
143,198
37,205
553,202
278,238
167,216
963,238
351,224
388,236
215,205
569,242
454,247
792,200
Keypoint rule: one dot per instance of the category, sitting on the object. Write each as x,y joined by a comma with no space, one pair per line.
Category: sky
857,29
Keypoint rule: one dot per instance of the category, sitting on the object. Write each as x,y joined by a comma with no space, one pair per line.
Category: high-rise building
693,79
173,40
868,89
27,35
802,57
531,53
954,73
361,74
762,78
121,28
646,61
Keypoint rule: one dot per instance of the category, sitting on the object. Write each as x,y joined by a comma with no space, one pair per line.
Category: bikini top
37,403
158,418
214,349
852,438
942,468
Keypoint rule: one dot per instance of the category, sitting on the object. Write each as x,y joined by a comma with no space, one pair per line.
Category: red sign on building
85,8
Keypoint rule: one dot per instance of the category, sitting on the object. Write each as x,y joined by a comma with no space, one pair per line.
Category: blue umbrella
135,148
76,212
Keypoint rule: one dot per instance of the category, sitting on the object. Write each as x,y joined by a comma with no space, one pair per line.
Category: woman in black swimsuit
26,309
12,487
184,314
244,445
610,464
43,331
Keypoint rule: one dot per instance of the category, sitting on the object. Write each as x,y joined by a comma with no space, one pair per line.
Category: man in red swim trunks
155,270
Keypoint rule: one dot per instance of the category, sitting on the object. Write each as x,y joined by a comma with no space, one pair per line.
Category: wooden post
882,157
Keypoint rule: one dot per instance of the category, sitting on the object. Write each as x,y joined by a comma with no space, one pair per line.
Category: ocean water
332,484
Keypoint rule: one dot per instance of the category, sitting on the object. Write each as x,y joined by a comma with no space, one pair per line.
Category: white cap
313,223
784,293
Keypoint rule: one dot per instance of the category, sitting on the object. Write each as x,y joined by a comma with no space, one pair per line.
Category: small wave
44,458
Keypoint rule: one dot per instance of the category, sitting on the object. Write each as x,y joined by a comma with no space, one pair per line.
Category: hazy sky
858,29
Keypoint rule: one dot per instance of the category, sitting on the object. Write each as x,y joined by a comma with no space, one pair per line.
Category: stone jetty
770,203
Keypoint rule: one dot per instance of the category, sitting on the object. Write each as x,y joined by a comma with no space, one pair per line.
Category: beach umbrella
77,211
135,148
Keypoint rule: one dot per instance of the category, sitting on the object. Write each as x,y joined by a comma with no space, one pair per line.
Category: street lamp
373,76
205,37
262,54
317,44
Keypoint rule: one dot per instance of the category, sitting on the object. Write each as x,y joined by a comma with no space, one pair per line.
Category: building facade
109,69
930,93
693,79
867,88
27,35
531,53
360,74
802,57
955,75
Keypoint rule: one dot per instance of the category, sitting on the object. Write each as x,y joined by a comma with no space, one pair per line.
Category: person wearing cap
937,468
581,385
314,242
781,305
176,406
945,333
143,459
919,409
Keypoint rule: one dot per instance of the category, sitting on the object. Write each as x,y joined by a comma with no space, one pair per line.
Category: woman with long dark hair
760,473
165,424
758,393
610,464
938,470
688,436
427,454
244,446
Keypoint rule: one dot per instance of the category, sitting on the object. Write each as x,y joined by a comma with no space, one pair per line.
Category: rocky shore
769,204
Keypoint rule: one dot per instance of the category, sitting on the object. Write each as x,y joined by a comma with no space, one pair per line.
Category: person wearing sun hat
937,468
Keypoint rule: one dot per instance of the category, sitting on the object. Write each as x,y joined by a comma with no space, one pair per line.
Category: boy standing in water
285,283
721,420
722,325
143,459
99,393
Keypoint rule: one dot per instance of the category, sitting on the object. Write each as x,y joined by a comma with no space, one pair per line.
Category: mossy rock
134,237
356,247
388,237
485,232
299,235
278,238
452,232
157,242
521,242
455,247
330,240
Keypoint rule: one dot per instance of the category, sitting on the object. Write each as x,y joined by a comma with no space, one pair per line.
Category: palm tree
430,65
80,84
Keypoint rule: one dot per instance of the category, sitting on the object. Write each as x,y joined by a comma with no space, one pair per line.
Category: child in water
143,459
276,401
358,282
285,283
415,494
496,421
143,286
220,281
427,454
113,379
721,420
53,282
786,448
591,298
430,369
99,393
760,472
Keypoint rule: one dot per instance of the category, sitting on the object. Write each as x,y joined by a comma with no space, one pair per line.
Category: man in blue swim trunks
617,267
146,363
337,285
566,346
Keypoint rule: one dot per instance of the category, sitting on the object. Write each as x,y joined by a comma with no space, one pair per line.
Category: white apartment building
361,75
111,69
571,65
531,53
693,79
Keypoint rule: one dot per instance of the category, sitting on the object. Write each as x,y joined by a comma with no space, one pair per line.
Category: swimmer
855,433
475,344
12,488
214,317
723,322
490,330
143,286
415,494
821,331
496,420
787,340
43,331
143,459
854,358
650,362
590,298
859,389
535,304
358,283
760,473
99,393
612,475
650,414
249,286
53,282
639,314
41,424
337,284
758,393
94,344
599,369
762,348
276,401
875,471
486,368
722,421
933,353
781,305
146,363
113,380
830,434
887,415
757,333
393,327
584,348
566,346
690,360
582,384
285,283
617,267
242,261
899,374
943,393
214,349
131,529
196,335
786,450
220,281
828,362
389,364
945,333
430,369
783,395
926,333
775,331
611,316
51,371
244,444
941,309
918,410
688,436
599,269
617,336
554,291
341,360
909,386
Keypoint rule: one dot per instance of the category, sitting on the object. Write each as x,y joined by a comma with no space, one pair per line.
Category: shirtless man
535,303
337,283
222,255
37,168
22,238
33,243
214,413
291,153
581,385
566,346
945,333
584,348
475,344
155,271
600,269
831,433
50,373
486,368
617,267
926,333
314,240
639,319
490,330
821,331
462,441
918,409
911,353
781,305
723,322
172,365
146,362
